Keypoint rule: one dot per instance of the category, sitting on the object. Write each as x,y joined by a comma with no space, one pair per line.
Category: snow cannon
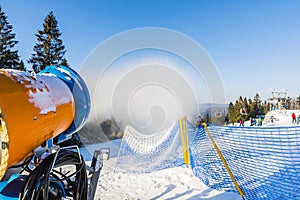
37,107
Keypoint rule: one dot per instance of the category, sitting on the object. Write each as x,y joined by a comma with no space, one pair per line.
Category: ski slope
172,183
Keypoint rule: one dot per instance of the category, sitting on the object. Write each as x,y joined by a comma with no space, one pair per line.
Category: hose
45,182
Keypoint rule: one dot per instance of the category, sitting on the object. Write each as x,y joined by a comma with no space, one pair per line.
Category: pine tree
266,107
252,113
49,49
298,102
231,113
244,109
237,111
246,105
257,105
64,62
21,66
207,118
257,100
8,57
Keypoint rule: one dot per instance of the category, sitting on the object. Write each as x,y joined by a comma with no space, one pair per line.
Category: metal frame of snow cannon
95,169
10,189
14,187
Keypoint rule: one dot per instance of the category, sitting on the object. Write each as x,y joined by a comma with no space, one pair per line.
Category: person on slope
293,118
251,121
259,122
241,123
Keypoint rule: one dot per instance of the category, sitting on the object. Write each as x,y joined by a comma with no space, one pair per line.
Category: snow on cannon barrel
37,107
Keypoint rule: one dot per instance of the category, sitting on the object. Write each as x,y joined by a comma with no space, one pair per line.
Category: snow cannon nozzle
80,94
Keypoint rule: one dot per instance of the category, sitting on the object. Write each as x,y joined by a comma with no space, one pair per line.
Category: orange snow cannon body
37,107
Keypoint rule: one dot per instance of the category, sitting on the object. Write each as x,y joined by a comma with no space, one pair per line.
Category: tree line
244,109
48,50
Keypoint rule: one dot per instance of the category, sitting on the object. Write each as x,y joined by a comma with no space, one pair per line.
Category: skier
293,118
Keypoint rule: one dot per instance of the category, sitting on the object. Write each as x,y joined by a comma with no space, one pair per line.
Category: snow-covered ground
281,118
173,183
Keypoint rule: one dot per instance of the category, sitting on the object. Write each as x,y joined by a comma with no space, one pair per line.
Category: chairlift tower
279,97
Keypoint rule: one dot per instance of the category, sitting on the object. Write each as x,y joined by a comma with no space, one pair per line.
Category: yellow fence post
240,191
182,140
187,141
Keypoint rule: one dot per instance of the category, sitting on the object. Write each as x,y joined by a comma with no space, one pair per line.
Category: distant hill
212,105
212,108
93,132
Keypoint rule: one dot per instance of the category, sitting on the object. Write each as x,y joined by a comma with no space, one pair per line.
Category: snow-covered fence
141,153
265,161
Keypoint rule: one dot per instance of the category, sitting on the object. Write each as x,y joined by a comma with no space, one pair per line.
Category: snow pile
172,183
280,117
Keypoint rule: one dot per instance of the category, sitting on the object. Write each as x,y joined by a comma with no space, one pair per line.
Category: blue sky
254,44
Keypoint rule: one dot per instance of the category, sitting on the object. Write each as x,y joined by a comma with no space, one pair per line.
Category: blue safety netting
265,161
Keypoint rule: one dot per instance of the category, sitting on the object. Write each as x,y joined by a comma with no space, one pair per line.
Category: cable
24,164
47,183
